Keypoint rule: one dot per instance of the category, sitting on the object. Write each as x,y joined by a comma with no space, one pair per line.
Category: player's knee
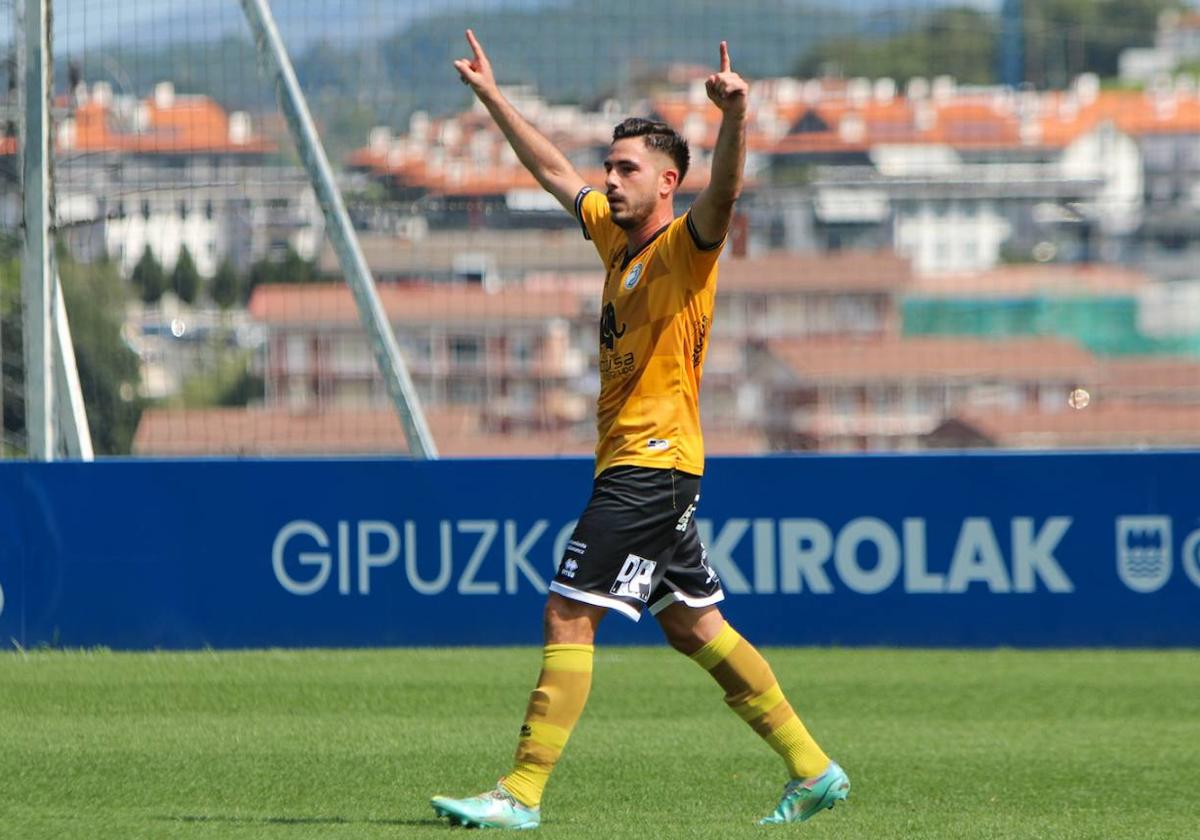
684,636
687,629
567,621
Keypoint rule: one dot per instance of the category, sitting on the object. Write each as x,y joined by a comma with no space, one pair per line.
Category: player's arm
713,210
541,157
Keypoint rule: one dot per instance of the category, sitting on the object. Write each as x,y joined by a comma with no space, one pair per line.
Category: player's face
636,180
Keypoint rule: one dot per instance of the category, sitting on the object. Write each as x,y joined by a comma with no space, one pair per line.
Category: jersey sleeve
683,249
595,217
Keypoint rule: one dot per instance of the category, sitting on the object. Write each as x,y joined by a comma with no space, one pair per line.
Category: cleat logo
526,730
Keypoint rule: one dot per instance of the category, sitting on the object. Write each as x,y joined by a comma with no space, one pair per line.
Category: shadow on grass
208,818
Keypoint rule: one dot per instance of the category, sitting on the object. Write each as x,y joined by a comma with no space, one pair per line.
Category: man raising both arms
636,544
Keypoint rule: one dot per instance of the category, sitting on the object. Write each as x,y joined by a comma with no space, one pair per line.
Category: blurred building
844,352
843,394
1176,43
516,358
955,178
166,172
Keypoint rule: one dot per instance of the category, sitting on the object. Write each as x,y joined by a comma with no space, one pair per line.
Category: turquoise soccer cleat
802,798
494,809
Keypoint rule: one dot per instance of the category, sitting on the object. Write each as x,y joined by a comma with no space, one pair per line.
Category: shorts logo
687,515
658,444
635,578
704,563
635,274
569,568
576,547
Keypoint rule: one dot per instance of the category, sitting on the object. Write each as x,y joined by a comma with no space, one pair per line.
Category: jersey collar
631,257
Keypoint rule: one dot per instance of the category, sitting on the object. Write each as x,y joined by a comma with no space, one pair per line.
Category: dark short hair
658,136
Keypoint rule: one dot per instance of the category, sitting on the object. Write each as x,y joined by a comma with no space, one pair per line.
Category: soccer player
636,545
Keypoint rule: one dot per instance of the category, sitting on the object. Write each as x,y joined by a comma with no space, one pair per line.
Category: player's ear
668,181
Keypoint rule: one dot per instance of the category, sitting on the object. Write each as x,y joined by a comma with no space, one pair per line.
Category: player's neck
643,233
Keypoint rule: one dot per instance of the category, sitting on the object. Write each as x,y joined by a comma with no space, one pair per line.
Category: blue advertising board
931,550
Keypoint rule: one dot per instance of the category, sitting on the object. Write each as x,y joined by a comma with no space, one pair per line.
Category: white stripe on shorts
595,600
676,596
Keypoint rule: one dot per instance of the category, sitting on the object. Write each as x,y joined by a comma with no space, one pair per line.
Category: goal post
350,257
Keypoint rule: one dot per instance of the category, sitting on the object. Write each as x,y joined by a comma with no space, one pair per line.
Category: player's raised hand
727,89
476,71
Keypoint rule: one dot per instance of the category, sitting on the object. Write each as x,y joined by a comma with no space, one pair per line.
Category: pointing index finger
475,45
725,64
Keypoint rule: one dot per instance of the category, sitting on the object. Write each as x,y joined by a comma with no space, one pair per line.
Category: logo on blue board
1144,552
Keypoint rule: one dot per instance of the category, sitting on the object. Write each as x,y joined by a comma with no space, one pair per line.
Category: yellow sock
753,693
554,707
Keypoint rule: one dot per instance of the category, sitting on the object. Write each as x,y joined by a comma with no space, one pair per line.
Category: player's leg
684,608
558,700
614,560
554,708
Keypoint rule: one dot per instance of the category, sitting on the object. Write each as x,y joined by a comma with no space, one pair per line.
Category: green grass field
333,744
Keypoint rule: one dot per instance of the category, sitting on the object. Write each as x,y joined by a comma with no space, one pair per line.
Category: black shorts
636,545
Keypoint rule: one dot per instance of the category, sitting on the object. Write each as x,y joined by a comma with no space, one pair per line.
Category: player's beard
630,216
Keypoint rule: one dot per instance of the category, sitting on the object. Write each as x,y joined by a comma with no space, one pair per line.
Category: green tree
292,268
185,278
1064,38
261,272
148,277
11,343
230,384
959,42
295,269
226,286
109,370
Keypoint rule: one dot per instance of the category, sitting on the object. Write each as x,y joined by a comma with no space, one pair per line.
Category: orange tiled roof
250,432
848,359
966,120
238,432
1168,376
847,271
193,124
480,179
990,119
333,304
1100,424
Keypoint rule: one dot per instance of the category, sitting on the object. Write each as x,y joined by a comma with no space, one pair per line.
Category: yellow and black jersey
655,317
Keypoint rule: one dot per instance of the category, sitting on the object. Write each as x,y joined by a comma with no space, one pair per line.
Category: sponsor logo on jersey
609,331
658,444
